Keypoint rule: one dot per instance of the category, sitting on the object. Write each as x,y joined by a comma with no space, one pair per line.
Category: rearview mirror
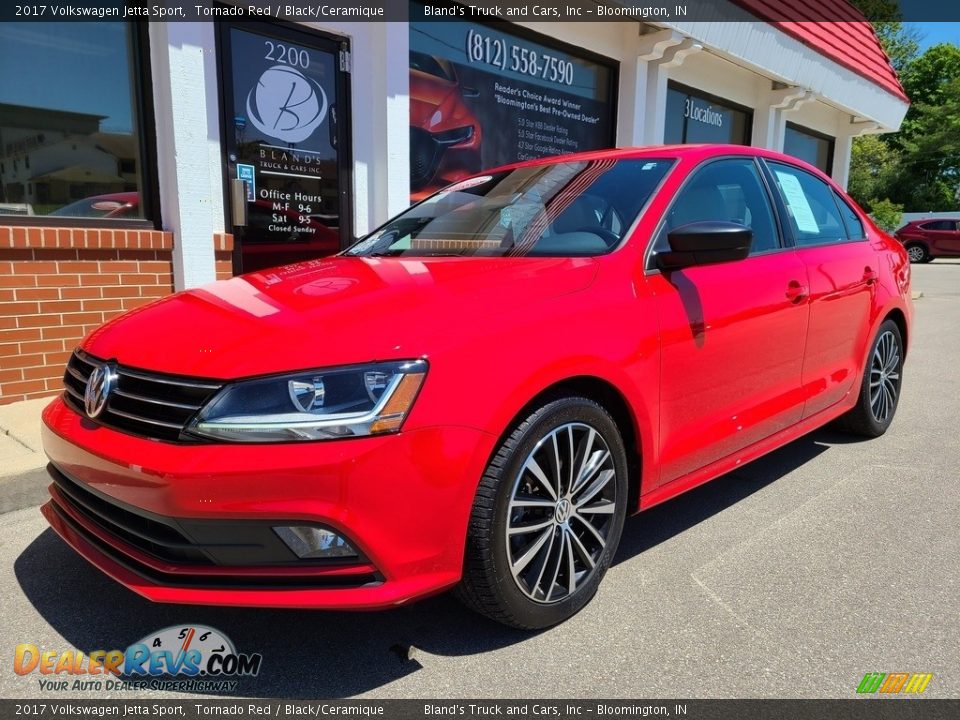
703,243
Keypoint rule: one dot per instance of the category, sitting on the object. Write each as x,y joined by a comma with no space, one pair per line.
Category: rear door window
812,210
851,220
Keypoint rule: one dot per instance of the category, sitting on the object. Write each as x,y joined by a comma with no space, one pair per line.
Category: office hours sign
282,137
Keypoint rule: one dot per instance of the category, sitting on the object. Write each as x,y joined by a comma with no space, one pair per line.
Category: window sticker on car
798,203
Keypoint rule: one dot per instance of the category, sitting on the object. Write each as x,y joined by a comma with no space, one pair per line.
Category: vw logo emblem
99,386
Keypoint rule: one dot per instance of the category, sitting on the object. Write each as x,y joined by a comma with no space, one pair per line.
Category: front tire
547,517
880,386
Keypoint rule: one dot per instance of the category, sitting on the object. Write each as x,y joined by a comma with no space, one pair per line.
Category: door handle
796,292
869,275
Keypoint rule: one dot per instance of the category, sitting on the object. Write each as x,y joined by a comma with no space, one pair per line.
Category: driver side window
728,190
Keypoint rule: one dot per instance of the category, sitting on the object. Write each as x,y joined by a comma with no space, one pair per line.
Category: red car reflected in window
930,238
480,392
110,206
445,134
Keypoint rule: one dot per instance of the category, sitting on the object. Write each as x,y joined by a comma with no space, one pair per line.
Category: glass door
286,136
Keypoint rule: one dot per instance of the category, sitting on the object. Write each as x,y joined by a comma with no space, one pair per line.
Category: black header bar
518,10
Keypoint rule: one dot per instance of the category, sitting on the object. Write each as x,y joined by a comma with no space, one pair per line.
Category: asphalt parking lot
792,577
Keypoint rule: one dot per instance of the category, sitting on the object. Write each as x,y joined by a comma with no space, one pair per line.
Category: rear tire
918,253
547,517
880,386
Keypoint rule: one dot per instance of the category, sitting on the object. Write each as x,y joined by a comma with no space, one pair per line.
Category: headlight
455,136
318,405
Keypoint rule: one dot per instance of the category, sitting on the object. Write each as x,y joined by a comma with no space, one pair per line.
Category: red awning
850,42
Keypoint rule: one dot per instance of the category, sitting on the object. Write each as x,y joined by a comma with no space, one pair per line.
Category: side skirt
747,454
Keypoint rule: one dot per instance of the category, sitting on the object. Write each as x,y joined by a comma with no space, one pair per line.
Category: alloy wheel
561,510
915,253
884,376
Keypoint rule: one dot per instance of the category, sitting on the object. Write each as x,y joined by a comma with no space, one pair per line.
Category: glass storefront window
484,95
809,146
694,117
70,138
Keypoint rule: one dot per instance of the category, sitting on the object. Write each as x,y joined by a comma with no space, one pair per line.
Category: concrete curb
20,445
916,294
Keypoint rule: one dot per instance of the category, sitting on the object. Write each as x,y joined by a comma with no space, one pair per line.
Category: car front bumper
185,523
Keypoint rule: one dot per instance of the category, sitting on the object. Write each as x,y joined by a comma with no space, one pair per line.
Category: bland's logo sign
286,105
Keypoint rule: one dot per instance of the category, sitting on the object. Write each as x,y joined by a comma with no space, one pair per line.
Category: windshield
566,209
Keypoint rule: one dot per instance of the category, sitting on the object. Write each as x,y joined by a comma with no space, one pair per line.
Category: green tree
874,167
920,168
931,150
888,215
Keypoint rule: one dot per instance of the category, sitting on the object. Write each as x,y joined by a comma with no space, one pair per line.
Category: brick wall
57,284
223,255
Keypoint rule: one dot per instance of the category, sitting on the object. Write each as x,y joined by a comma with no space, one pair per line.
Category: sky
933,33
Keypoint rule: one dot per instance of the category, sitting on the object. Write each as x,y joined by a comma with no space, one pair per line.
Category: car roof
693,152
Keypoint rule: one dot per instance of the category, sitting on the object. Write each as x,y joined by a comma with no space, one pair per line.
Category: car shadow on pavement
308,654
673,517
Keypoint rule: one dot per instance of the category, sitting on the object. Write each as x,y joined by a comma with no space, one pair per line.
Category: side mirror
469,92
703,243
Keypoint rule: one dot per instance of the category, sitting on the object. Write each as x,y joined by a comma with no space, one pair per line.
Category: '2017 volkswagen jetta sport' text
478,393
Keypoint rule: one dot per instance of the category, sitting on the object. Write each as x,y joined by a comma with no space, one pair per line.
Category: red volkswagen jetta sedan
478,393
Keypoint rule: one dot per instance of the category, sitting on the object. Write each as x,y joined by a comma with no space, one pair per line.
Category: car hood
333,311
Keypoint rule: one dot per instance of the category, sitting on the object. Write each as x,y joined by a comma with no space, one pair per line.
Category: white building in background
332,127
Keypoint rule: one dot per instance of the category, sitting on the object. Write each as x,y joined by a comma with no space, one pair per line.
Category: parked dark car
930,238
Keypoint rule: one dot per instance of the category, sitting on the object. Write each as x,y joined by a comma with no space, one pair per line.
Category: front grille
425,154
147,404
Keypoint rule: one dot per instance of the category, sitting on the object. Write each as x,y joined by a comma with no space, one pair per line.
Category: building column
843,146
380,90
630,112
769,117
187,104
657,52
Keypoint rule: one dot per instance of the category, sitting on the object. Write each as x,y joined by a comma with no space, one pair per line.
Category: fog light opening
313,543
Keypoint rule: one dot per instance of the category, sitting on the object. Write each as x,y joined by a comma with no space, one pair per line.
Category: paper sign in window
797,201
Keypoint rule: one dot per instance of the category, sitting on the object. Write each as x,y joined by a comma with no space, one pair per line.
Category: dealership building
137,159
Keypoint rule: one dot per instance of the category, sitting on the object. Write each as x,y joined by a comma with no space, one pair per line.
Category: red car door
732,333
842,268
945,238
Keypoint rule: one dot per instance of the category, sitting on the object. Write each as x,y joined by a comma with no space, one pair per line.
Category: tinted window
695,118
727,190
851,220
939,225
803,144
560,209
811,208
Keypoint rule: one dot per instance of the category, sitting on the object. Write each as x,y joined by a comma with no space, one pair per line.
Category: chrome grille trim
165,381
146,404
154,401
140,418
